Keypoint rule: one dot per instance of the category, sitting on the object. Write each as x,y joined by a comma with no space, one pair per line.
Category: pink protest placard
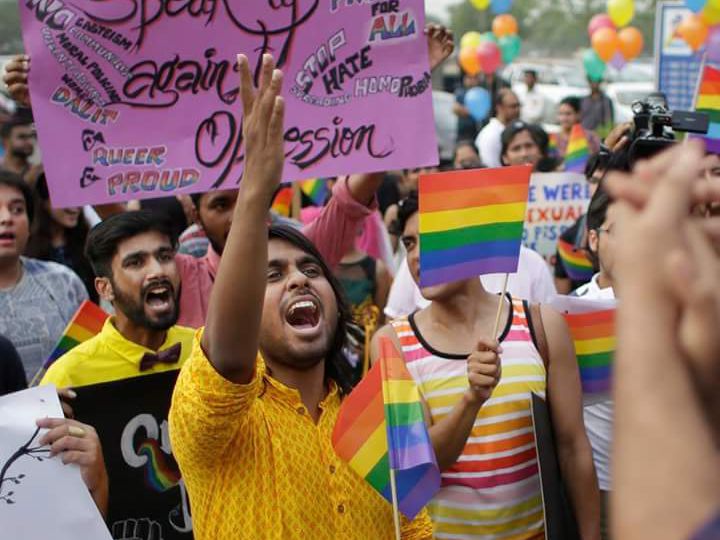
139,98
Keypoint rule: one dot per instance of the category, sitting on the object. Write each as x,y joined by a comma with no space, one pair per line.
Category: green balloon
510,48
594,66
489,36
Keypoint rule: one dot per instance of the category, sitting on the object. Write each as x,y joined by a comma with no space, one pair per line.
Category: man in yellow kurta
133,256
252,432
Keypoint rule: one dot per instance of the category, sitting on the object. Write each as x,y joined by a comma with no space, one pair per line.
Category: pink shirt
333,233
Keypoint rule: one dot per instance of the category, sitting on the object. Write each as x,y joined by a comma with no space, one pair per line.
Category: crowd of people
273,320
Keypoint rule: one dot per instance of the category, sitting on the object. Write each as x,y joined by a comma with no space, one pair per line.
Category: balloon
504,25
468,60
481,5
594,66
489,56
712,45
489,36
621,11
693,30
510,48
477,101
618,61
714,4
631,42
601,20
606,43
710,15
500,6
696,5
470,40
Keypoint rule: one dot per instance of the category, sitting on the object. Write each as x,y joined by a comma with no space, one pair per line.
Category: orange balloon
693,30
504,25
606,43
469,61
631,42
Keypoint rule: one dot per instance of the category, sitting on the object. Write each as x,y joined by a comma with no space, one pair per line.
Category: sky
439,7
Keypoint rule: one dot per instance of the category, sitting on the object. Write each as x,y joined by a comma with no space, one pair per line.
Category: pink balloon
490,57
601,20
712,44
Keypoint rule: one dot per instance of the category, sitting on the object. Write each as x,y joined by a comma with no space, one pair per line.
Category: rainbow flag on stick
708,101
471,222
575,262
592,326
86,323
381,427
316,189
578,150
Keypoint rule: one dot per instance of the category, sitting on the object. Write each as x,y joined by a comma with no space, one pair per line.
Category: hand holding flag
484,371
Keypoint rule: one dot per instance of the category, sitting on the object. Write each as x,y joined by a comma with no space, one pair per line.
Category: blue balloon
501,6
477,101
696,5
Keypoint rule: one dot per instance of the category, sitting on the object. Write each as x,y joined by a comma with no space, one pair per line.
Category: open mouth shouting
303,314
7,239
159,298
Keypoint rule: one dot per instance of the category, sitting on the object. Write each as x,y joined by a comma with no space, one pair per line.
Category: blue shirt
36,310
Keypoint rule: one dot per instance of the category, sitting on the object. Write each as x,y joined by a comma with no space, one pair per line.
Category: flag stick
396,512
296,201
500,306
696,94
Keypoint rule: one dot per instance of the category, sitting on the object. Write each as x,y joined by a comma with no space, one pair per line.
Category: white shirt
599,415
489,143
532,282
533,105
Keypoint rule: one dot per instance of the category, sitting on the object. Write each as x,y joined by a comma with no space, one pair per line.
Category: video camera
655,126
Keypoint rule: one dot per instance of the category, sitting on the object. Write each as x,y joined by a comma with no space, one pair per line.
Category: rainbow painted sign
136,102
130,416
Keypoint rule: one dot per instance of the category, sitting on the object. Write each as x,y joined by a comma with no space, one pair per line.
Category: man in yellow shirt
133,255
252,433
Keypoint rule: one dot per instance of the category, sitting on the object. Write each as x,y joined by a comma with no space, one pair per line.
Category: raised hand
484,371
440,44
263,118
16,79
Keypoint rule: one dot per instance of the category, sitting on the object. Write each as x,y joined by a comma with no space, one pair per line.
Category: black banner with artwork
148,500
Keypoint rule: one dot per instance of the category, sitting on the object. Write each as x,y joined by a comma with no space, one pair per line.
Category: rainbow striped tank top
493,491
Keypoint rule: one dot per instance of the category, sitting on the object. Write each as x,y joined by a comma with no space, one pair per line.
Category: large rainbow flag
592,326
316,189
471,222
708,101
381,426
578,150
86,323
575,261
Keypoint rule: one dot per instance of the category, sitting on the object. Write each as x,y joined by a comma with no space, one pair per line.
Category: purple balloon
618,61
712,44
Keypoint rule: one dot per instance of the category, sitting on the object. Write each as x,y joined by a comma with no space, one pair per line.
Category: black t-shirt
12,373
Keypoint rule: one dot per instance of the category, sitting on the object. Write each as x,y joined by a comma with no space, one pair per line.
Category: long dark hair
337,367
40,242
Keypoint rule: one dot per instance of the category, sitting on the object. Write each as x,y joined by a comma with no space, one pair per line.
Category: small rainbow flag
282,203
708,101
471,222
381,426
316,189
575,261
592,326
578,150
552,145
86,323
